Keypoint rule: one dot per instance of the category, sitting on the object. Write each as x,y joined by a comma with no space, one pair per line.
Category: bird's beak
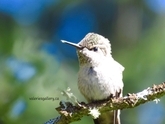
72,44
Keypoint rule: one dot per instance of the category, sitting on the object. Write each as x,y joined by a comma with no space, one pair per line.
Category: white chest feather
98,83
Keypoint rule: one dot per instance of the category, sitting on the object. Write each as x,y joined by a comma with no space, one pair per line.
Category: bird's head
92,49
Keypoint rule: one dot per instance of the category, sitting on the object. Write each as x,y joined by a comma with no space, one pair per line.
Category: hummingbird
99,76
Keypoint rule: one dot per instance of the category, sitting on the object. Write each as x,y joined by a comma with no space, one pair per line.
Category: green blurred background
34,63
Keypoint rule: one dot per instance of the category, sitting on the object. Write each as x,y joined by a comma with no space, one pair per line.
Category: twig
69,113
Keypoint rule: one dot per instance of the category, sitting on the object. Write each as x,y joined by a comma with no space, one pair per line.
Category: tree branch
69,113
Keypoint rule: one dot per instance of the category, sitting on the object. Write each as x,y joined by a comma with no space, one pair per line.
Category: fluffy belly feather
95,84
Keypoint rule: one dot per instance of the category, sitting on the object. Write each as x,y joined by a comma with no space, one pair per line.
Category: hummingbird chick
100,76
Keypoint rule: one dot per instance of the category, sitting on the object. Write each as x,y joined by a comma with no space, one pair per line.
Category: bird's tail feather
110,117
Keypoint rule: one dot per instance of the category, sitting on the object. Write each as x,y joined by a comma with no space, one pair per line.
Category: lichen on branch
70,113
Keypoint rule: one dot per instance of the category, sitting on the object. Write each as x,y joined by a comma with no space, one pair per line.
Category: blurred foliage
34,63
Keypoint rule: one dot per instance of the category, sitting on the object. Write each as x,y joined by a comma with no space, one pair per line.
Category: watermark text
44,98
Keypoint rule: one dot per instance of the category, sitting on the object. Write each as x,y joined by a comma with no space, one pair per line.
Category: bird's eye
95,49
